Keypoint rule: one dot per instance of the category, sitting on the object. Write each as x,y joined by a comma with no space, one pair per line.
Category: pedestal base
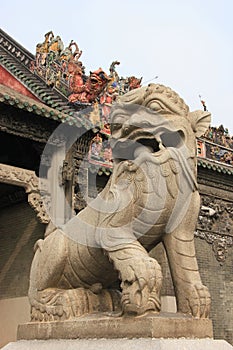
163,325
101,332
122,344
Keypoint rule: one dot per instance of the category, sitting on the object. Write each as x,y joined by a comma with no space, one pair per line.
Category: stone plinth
163,325
122,344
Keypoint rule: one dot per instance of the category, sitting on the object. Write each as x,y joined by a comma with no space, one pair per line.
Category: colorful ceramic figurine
62,69
89,91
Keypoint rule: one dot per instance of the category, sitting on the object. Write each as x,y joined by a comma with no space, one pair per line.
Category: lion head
157,118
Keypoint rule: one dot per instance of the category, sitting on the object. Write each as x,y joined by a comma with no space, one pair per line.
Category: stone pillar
55,187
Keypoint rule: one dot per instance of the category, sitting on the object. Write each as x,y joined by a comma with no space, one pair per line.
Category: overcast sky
186,43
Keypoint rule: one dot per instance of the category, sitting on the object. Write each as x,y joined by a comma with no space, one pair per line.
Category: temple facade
54,127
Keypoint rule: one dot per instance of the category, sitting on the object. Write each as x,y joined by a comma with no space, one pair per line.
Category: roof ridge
9,40
16,60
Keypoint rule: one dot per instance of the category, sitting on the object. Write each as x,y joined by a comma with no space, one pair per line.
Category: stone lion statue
99,261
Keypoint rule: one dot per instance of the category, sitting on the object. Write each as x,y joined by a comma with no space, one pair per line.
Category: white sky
187,43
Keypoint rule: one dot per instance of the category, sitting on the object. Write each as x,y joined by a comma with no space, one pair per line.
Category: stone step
120,344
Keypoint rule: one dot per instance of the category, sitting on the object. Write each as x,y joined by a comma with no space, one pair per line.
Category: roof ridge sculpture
61,68
15,59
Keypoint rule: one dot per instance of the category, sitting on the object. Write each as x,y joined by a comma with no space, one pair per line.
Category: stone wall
219,279
214,247
19,230
14,311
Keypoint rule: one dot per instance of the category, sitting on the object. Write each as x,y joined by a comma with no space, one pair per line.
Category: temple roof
215,166
50,102
16,60
14,98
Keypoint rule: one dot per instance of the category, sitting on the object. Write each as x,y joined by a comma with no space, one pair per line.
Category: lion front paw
194,299
141,283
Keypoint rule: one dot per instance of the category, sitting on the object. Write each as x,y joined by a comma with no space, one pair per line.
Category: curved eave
215,166
15,99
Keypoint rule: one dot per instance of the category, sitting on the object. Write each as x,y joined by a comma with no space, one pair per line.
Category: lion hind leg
61,304
51,302
54,304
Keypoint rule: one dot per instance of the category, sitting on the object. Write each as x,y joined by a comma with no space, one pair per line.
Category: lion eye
157,107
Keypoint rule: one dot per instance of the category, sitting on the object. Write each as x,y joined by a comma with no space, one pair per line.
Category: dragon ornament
99,261
86,92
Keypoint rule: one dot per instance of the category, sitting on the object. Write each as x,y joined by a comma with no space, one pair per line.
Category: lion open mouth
124,149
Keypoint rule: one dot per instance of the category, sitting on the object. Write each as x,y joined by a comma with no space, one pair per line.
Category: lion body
150,198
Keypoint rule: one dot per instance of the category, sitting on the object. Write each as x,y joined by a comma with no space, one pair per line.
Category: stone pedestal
120,344
164,331
163,325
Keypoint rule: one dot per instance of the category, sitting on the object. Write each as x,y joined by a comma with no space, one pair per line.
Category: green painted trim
45,111
212,165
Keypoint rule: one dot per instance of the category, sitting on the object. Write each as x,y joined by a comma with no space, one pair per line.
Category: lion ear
200,121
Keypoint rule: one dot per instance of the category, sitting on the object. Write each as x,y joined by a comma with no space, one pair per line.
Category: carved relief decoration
60,66
215,225
33,129
216,181
74,171
28,180
39,130
79,201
